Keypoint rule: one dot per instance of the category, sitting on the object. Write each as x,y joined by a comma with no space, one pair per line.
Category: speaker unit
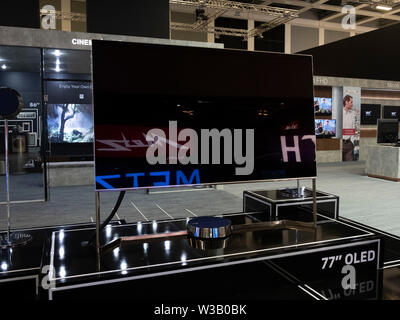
11,103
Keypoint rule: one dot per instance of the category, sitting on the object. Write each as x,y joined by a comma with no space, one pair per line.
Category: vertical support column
66,8
321,36
250,40
288,38
211,35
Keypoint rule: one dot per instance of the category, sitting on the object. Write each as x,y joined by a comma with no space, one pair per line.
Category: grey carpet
370,201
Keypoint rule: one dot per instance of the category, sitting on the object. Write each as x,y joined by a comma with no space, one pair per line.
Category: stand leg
314,201
97,204
7,183
12,239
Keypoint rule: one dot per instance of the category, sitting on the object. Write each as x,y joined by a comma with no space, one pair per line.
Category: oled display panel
176,116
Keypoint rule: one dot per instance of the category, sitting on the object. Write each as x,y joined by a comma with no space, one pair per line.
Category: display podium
278,203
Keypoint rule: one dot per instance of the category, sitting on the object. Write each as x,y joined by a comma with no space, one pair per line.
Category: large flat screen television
388,131
323,106
370,113
325,128
176,116
391,112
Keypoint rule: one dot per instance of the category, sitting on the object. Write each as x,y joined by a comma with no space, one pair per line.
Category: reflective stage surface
262,264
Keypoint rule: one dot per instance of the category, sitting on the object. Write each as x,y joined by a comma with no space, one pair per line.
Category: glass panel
20,70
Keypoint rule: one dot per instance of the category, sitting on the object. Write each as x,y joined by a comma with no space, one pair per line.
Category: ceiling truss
275,15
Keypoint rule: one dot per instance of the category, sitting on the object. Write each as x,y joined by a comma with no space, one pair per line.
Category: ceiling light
57,68
4,67
57,53
57,61
383,7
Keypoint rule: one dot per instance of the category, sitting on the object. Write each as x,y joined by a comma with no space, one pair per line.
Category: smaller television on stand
388,131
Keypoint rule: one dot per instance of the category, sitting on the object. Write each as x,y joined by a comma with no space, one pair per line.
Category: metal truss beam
236,6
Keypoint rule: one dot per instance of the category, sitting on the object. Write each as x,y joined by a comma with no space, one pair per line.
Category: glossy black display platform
149,270
21,267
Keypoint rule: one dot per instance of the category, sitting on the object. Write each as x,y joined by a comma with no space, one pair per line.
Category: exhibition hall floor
370,201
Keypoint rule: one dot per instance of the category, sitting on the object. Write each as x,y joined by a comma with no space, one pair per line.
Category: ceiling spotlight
4,67
57,69
57,61
57,53
383,7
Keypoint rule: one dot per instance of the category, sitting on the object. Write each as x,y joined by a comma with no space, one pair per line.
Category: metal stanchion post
12,239
314,201
7,182
97,204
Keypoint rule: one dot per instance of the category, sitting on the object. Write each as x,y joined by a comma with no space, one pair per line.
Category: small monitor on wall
391,112
323,106
325,128
370,113
388,131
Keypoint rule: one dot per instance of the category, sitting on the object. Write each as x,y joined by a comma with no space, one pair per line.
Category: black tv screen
370,113
388,131
176,116
391,112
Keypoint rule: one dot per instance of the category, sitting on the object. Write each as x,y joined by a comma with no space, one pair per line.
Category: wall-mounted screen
391,112
323,106
370,113
177,116
388,131
325,128
70,123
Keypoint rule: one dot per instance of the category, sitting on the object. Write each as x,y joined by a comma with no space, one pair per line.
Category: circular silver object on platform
209,228
16,239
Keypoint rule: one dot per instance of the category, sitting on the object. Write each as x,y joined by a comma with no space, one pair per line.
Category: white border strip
139,211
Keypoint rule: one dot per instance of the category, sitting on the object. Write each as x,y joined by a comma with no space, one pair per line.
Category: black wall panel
230,41
20,13
143,18
272,40
371,55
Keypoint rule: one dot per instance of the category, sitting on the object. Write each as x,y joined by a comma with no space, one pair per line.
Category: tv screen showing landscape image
323,106
70,123
370,113
325,128
177,116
